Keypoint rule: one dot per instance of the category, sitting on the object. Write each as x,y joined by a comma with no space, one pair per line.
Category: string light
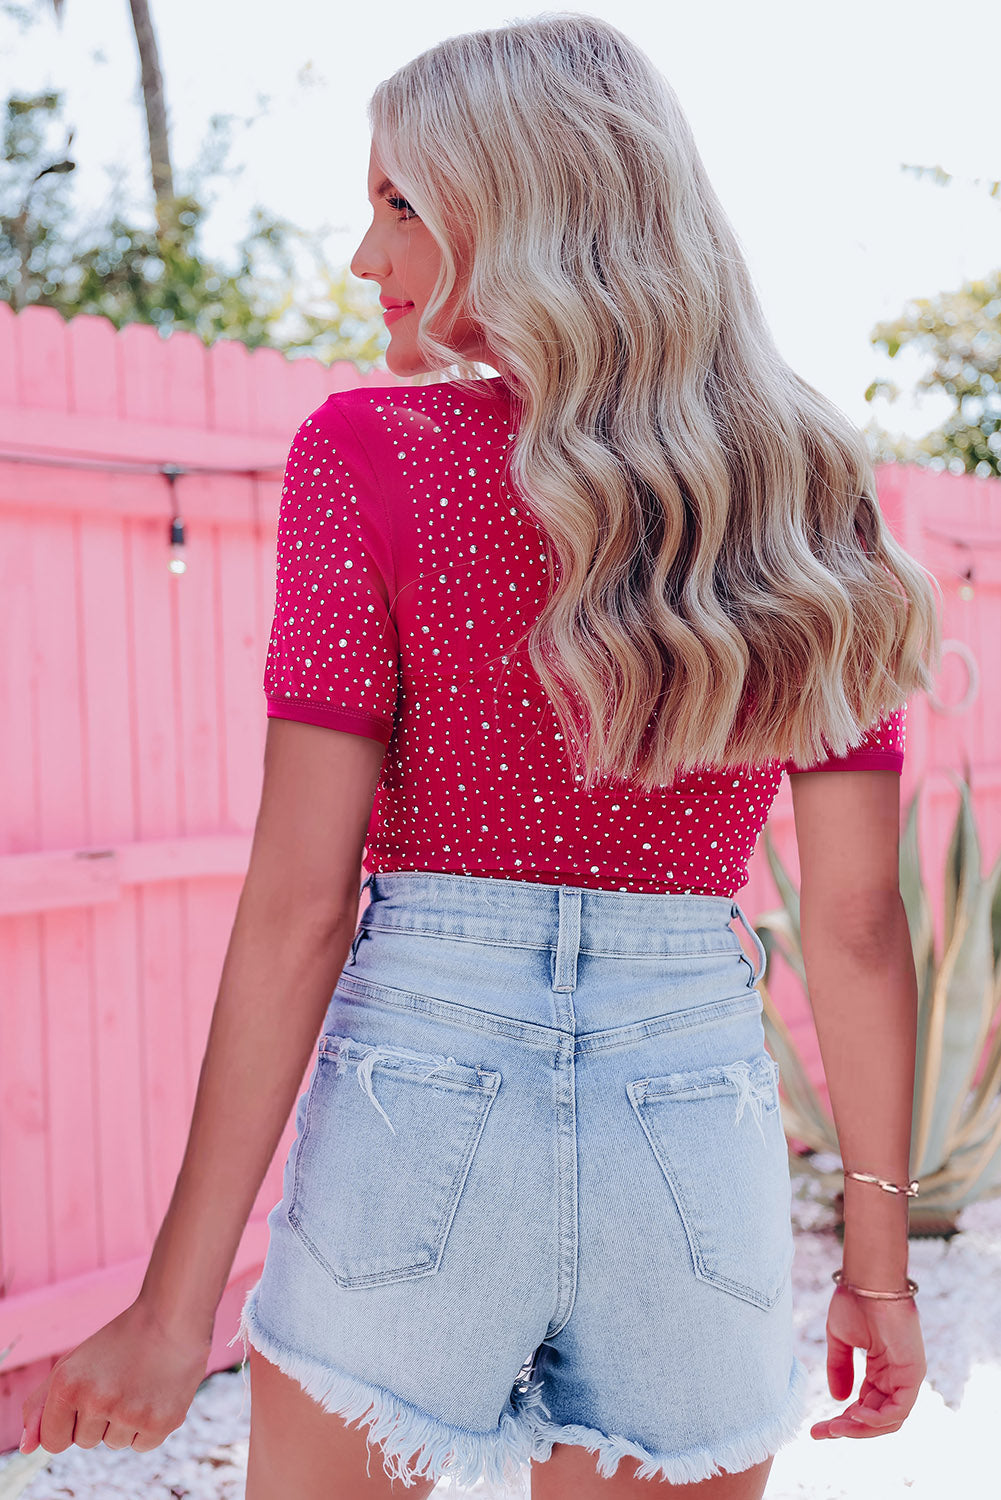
177,563
177,560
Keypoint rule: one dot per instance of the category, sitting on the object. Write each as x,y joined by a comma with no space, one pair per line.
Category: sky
806,116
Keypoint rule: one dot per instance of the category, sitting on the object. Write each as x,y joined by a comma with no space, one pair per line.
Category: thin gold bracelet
910,1191
912,1286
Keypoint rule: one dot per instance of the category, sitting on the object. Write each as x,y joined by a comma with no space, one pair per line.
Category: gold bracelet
912,1286
910,1191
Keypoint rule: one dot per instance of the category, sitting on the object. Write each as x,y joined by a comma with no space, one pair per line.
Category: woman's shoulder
375,414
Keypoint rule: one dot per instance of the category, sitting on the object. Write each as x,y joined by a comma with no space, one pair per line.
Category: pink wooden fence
133,732
133,728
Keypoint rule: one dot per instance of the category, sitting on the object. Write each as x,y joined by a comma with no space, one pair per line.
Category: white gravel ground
947,1448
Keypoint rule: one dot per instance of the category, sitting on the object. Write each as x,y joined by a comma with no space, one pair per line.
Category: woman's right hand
890,1333
130,1384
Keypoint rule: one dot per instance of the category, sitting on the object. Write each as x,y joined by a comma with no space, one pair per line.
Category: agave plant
956,1123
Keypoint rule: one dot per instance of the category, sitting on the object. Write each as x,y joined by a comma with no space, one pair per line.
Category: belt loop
360,933
567,940
736,911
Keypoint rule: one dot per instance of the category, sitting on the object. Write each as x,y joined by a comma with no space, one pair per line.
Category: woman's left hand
890,1333
130,1384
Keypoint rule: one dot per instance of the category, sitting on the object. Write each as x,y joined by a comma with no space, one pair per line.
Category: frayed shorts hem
405,1433
409,1436
689,1465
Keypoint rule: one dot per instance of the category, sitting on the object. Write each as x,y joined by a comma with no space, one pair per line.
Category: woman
543,645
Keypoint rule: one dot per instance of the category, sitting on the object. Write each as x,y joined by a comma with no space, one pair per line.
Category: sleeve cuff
862,760
350,720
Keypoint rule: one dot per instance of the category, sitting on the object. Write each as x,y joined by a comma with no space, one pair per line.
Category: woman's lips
392,313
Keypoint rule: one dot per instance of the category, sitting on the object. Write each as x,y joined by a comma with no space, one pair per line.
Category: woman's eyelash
400,204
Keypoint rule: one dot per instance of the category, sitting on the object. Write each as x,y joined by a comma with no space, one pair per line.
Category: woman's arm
133,1380
278,976
294,924
863,993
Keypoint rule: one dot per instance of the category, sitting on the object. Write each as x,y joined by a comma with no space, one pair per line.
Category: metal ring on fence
963,651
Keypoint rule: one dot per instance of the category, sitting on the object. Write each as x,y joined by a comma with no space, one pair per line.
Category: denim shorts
539,1191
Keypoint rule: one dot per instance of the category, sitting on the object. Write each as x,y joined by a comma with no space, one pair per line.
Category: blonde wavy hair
719,544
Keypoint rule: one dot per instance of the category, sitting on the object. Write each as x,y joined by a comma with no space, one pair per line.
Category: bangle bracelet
910,1191
912,1286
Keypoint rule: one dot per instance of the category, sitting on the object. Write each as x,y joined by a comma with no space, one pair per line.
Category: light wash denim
539,1190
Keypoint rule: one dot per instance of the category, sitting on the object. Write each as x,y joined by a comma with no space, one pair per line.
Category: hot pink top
406,571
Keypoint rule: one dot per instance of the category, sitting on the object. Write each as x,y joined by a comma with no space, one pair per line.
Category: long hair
726,590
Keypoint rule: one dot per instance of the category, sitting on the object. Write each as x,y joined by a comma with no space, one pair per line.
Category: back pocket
387,1141
717,1134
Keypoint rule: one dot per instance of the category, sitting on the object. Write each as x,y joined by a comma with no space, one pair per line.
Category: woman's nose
368,261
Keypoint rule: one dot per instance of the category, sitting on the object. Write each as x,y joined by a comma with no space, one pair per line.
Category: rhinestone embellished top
406,574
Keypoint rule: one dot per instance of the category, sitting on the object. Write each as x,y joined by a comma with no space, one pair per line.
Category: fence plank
72,1078
228,387
308,384
142,373
242,637
271,410
10,359
60,793
154,699
92,349
200,623
19,687
42,360
125,1210
27,1250
185,362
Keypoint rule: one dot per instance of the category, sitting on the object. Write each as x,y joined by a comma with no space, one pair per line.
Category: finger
58,1418
145,1442
89,1430
31,1415
834,1426
840,1367
895,1407
875,1412
120,1435
848,1427
29,1437
866,1416
842,1426
858,1415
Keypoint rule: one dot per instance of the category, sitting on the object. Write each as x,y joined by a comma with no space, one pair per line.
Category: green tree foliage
279,292
959,333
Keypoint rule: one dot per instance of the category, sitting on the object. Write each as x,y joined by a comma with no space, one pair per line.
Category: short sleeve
332,654
882,749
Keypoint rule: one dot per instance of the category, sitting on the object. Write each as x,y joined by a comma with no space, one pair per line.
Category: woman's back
408,574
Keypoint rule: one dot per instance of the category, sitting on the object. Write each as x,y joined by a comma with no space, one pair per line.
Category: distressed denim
539,1190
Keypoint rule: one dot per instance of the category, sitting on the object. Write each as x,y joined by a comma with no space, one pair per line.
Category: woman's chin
404,362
